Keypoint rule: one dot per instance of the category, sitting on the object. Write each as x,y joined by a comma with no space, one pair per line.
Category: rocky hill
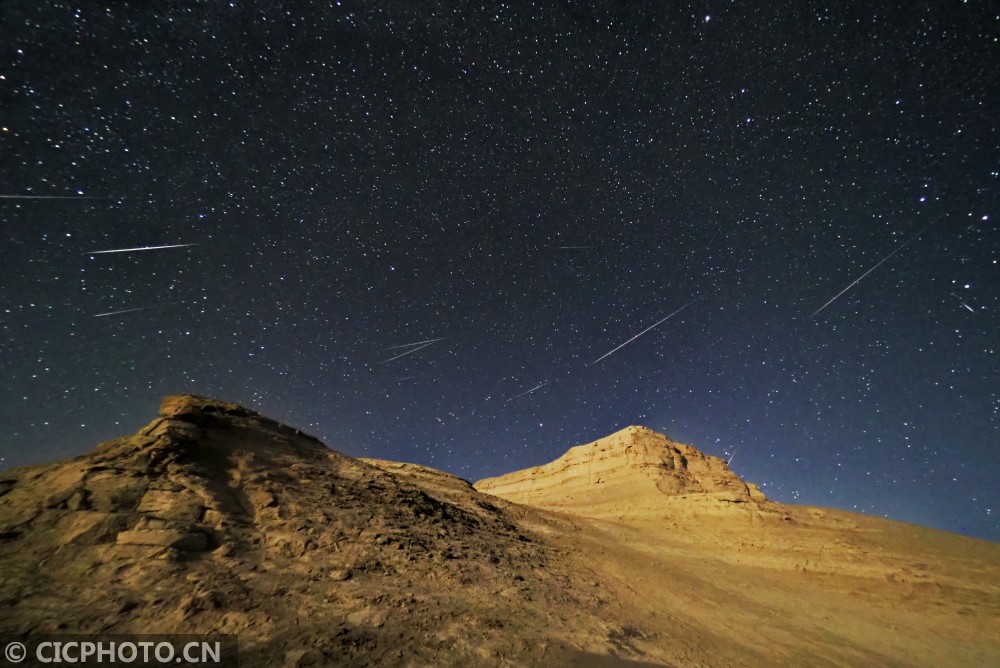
630,472
216,519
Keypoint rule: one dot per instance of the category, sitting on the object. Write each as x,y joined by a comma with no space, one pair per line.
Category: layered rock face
214,519
635,470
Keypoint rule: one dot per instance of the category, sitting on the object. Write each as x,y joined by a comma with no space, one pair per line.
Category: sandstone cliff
635,471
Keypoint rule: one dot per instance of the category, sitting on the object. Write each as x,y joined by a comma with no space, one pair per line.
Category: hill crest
634,470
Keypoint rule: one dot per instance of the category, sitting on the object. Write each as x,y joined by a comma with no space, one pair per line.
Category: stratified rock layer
633,471
214,519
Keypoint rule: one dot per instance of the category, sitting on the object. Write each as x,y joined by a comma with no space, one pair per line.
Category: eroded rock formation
216,519
635,470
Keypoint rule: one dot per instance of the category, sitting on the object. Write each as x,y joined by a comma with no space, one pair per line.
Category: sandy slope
799,595
215,519
710,578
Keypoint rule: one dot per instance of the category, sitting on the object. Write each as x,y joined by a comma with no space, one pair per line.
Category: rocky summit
632,550
631,471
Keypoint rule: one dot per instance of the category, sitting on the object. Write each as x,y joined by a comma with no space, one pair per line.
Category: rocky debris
635,469
214,519
191,541
755,493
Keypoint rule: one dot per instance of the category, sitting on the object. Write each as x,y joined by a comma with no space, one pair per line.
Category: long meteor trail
415,343
536,387
877,265
138,248
128,310
658,322
59,197
408,352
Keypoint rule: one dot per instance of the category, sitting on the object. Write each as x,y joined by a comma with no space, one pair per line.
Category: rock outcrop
214,519
633,471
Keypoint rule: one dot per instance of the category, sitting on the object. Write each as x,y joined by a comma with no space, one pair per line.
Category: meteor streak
412,350
536,387
877,265
620,346
960,301
732,455
415,343
138,248
58,197
128,310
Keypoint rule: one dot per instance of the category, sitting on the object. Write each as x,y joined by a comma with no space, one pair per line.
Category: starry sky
793,205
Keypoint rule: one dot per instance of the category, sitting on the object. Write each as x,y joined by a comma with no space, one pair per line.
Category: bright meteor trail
647,329
412,350
415,343
139,248
128,310
58,197
536,387
877,265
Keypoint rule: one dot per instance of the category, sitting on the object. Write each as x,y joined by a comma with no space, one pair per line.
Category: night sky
533,184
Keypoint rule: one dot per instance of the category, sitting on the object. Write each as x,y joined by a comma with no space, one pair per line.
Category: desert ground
631,550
